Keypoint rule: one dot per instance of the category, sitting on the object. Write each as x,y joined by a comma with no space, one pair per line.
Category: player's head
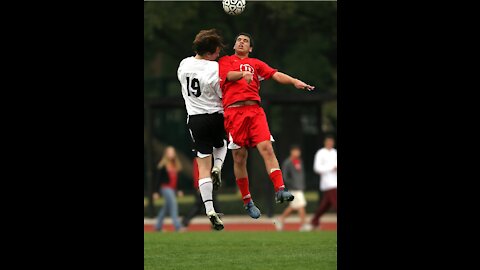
329,142
170,152
295,151
170,157
243,44
208,44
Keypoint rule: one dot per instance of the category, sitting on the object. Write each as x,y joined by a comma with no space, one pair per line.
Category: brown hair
207,41
163,162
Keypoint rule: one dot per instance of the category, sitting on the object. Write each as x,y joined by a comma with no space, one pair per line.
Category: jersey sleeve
179,70
217,89
224,66
264,71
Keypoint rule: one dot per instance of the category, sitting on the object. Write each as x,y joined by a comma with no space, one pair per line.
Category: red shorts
246,126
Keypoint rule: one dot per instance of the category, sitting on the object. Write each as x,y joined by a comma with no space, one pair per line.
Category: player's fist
247,75
301,85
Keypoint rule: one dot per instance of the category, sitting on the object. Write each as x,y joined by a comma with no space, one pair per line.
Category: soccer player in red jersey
245,121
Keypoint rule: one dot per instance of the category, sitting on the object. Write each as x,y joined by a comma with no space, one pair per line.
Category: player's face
212,56
295,153
329,143
170,153
242,45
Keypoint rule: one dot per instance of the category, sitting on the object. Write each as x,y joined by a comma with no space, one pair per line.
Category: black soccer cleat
283,195
216,178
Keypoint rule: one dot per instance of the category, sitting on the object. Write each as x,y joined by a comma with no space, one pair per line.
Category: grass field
241,250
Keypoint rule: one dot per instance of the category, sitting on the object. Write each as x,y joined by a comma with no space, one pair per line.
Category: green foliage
298,38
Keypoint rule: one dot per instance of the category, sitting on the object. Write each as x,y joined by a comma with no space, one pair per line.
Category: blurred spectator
169,167
325,164
294,177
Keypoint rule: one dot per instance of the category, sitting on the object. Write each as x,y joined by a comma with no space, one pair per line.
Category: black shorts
206,131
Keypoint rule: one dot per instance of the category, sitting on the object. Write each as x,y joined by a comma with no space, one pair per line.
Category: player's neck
241,56
199,57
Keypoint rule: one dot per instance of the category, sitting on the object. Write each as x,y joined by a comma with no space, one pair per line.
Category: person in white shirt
325,164
200,82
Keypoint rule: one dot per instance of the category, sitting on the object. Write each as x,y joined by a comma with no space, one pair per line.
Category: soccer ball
233,7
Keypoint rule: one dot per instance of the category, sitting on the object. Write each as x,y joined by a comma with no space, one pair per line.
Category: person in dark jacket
169,167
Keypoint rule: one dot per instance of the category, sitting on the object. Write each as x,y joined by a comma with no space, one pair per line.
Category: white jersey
200,86
325,164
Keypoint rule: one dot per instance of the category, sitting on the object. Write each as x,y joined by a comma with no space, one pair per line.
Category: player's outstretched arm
286,79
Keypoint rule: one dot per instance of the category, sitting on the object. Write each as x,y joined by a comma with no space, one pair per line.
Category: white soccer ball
234,7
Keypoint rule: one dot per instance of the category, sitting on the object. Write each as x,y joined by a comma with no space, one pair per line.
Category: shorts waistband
244,103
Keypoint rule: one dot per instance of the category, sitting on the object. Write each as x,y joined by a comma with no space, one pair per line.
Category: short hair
245,34
295,146
329,137
207,41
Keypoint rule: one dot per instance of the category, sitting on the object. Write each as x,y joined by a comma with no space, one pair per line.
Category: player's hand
248,76
180,193
156,196
301,85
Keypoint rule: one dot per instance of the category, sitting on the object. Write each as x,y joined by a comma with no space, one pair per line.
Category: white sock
206,188
219,155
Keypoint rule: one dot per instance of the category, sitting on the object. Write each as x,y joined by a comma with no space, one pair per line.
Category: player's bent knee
266,150
239,157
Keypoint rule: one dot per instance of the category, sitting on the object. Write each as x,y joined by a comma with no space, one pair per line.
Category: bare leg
285,214
241,178
273,169
204,166
240,162
266,151
301,213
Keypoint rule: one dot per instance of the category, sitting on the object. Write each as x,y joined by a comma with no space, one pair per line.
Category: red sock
277,180
242,184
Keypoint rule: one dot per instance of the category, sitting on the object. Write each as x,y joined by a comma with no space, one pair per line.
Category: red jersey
172,179
239,90
297,164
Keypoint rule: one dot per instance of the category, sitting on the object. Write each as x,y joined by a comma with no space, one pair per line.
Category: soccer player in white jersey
199,78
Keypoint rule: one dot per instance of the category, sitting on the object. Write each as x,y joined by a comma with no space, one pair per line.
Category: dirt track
244,223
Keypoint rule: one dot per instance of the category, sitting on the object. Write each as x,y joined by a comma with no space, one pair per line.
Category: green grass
241,250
